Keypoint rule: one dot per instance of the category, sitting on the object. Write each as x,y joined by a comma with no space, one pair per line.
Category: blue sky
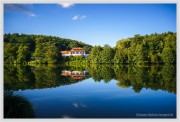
95,24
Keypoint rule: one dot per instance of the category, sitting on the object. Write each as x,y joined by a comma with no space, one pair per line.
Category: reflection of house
77,75
75,52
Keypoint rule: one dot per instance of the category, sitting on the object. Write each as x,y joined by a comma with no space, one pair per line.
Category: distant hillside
19,48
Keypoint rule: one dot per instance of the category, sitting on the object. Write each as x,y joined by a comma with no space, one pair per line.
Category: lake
98,91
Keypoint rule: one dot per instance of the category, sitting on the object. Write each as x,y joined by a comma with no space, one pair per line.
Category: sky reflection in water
91,99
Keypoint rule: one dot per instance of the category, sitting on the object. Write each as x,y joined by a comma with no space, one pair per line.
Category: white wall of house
66,54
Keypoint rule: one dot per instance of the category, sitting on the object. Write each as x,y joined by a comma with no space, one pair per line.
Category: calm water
95,92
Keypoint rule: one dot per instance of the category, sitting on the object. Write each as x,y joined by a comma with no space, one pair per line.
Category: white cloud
30,14
66,5
77,17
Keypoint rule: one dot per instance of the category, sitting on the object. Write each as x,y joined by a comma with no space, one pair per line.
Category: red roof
78,49
65,52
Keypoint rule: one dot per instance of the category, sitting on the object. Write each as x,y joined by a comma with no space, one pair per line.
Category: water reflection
154,77
96,91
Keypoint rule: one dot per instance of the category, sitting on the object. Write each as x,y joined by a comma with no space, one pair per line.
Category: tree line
23,48
147,49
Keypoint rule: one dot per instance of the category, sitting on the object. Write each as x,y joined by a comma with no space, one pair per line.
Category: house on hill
75,52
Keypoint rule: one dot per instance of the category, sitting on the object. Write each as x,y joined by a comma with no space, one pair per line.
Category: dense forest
23,48
147,49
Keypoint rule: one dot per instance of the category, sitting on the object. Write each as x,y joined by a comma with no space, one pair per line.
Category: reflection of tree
168,73
138,78
17,106
42,76
154,77
124,84
95,73
24,75
10,77
99,72
107,73
46,76
18,77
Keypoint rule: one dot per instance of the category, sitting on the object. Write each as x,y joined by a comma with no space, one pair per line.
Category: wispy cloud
66,5
20,8
77,17
30,14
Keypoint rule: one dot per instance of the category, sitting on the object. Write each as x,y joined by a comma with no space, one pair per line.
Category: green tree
52,54
10,52
107,54
87,48
95,54
168,56
140,54
23,54
39,53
